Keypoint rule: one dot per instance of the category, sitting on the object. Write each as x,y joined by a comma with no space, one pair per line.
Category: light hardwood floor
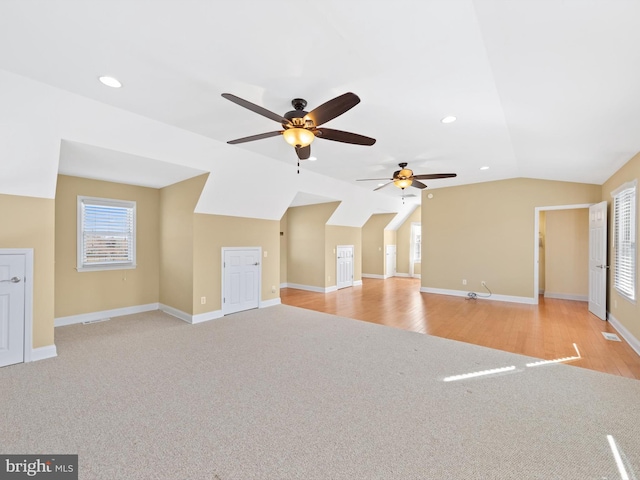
547,330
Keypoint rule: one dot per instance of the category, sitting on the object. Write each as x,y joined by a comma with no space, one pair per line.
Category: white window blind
106,234
624,218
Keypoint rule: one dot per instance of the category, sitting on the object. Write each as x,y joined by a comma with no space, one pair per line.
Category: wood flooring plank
547,330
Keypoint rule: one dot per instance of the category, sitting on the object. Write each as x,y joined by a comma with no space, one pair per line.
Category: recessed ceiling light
312,159
110,82
449,119
484,168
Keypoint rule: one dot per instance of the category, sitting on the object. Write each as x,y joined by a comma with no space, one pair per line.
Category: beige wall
211,234
177,204
403,239
567,253
30,223
284,237
338,235
86,292
625,311
373,244
485,231
306,243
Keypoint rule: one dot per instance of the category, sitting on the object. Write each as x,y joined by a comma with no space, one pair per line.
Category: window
106,234
624,238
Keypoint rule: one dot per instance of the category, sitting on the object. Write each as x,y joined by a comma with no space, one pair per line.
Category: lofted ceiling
540,88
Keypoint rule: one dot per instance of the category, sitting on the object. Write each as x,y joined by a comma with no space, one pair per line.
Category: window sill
99,268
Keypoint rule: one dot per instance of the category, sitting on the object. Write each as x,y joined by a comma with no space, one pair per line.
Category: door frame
536,240
222,267
28,297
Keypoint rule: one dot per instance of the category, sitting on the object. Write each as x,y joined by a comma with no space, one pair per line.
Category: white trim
42,353
284,285
93,316
567,296
400,274
373,275
464,293
28,298
624,333
536,241
270,303
624,186
205,317
312,288
357,283
187,317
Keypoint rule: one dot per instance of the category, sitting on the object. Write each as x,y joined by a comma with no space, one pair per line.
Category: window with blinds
624,224
106,234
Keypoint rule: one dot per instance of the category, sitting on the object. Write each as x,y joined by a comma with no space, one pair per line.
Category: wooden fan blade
431,176
331,109
372,179
382,186
303,152
256,108
344,137
255,137
418,184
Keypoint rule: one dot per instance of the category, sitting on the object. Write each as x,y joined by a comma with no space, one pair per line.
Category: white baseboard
463,293
566,296
42,353
624,333
93,316
270,303
312,288
373,275
187,317
357,283
401,274
284,285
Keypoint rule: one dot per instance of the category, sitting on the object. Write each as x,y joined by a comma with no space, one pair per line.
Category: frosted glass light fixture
298,137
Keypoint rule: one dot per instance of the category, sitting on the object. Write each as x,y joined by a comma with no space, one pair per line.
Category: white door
240,279
598,260
390,261
12,270
344,267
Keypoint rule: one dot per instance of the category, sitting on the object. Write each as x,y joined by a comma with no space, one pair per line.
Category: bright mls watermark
50,467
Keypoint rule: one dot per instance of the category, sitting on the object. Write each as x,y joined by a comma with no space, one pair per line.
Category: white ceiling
541,88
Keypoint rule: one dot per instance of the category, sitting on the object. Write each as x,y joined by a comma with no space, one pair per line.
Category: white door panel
241,279
12,271
598,260
344,266
391,261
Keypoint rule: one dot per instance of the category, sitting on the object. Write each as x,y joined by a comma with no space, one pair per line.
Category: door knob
12,280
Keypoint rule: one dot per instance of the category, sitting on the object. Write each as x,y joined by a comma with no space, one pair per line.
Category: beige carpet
285,393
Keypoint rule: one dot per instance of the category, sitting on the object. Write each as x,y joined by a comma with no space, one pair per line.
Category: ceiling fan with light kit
404,178
300,128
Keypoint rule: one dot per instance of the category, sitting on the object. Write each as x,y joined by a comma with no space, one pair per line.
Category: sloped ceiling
542,89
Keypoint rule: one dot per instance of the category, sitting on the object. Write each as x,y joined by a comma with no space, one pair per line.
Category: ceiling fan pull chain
298,166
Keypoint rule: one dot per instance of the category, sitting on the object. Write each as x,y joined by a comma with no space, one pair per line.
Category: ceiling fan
404,178
300,128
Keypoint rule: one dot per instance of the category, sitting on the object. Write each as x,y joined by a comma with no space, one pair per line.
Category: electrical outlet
273,289
203,300
464,281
